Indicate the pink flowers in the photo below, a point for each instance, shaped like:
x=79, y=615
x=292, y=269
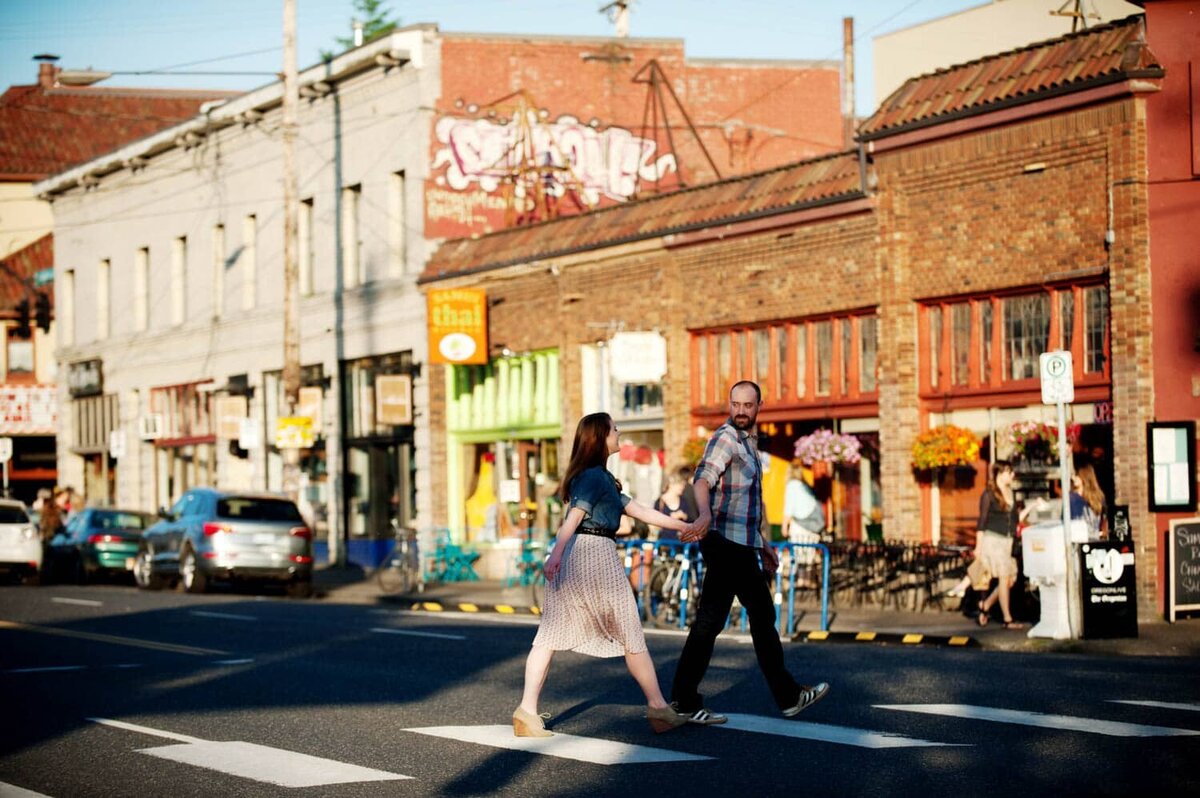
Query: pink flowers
x=828, y=446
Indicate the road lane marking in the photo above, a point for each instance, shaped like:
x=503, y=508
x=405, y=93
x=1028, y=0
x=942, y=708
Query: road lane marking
x=382, y=630
x=229, y=616
x=1159, y=704
x=133, y=727
x=564, y=746
x=840, y=735
x=48, y=669
x=246, y=661
x=78, y=602
x=255, y=762
x=1063, y=722
x=114, y=639
x=13, y=791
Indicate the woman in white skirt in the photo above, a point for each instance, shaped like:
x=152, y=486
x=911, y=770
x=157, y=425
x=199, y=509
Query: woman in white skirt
x=589, y=605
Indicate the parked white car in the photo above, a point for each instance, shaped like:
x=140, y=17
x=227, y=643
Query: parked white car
x=20, y=543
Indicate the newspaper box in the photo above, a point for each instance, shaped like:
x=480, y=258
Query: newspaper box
x=1045, y=560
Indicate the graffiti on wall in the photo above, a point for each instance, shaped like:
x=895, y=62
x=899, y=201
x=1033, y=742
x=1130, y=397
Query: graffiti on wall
x=473, y=156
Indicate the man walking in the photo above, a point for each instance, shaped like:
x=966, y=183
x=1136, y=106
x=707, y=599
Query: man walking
x=728, y=487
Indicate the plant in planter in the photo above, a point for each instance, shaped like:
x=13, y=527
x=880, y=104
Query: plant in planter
x=1035, y=441
x=827, y=446
x=944, y=447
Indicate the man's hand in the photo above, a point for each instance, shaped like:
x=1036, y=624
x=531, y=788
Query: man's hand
x=770, y=559
x=695, y=530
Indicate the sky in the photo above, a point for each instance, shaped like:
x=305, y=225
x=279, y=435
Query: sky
x=246, y=35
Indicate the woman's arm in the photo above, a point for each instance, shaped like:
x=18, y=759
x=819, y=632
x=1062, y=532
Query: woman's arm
x=641, y=512
x=566, y=529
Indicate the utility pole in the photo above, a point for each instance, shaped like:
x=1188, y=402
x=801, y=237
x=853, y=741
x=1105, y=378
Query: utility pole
x=291, y=213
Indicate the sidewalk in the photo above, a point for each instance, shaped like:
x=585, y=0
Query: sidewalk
x=353, y=585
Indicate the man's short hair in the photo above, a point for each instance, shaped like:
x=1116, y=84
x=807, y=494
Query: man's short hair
x=752, y=384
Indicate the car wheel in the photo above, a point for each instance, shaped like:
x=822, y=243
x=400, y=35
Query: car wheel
x=193, y=579
x=81, y=572
x=33, y=577
x=300, y=588
x=143, y=572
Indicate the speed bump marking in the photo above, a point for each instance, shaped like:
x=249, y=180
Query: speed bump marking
x=865, y=636
x=817, y=635
x=911, y=639
x=468, y=607
x=959, y=640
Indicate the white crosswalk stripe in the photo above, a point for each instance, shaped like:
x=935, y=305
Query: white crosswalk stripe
x=1159, y=704
x=840, y=735
x=1061, y=722
x=13, y=791
x=565, y=746
x=253, y=761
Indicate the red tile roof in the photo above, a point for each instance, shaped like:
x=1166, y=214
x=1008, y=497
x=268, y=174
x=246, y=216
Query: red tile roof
x=1104, y=54
x=46, y=130
x=17, y=270
x=775, y=191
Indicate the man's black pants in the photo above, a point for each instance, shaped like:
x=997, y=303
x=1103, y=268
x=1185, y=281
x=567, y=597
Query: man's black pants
x=732, y=570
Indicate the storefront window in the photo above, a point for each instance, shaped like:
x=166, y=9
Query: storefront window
x=868, y=348
x=960, y=342
x=781, y=359
x=844, y=372
x=824, y=331
x=1026, y=334
x=724, y=363
x=762, y=356
x=935, y=346
x=802, y=360
x=1095, y=328
x=702, y=368
x=985, y=341
x=20, y=356
x=1066, y=318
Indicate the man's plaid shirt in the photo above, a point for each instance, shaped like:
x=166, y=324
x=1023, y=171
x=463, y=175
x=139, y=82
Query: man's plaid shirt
x=733, y=470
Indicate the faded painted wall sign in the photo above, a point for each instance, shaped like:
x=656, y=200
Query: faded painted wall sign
x=474, y=155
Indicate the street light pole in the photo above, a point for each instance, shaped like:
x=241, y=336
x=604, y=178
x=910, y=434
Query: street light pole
x=291, y=208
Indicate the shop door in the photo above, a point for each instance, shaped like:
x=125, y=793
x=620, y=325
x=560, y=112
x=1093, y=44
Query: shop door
x=528, y=465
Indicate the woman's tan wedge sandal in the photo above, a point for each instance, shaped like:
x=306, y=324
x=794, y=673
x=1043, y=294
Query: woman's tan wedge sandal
x=527, y=725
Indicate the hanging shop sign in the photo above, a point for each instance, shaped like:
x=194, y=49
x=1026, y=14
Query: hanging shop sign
x=230, y=411
x=294, y=432
x=393, y=399
x=85, y=378
x=28, y=410
x=638, y=357
x=458, y=326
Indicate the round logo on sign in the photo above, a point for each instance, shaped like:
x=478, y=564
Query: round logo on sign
x=1106, y=566
x=457, y=346
x=1056, y=366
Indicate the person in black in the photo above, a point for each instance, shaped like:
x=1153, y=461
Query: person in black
x=997, y=528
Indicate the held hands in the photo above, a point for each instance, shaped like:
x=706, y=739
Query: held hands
x=695, y=531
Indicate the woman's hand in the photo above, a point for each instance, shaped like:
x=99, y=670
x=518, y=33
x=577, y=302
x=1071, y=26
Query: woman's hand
x=553, y=563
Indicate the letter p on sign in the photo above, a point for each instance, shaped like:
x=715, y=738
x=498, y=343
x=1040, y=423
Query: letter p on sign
x=1058, y=378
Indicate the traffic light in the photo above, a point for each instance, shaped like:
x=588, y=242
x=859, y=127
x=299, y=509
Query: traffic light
x=43, y=312
x=22, y=328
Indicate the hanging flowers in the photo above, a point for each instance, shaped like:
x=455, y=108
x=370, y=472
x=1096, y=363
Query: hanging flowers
x=944, y=446
x=693, y=450
x=1035, y=440
x=827, y=446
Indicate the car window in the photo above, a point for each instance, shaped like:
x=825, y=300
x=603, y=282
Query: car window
x=115, y=519
x=13, y=514
x=249, y=508
x=177, y=507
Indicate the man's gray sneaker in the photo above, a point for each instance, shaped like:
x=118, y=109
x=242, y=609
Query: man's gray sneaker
x=808, y=697
x=702, y=717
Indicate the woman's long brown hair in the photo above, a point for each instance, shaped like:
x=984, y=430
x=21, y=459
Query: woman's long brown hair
x=589, y=449
x=998, y=467
x=1089, y=488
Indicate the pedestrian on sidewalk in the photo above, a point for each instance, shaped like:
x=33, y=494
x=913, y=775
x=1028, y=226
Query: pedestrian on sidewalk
x=728, y=487
x=999, y=518
x=589, y=607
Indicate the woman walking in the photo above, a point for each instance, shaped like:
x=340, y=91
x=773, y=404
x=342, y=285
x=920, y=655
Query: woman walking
x=998, y=521
x=589, y=606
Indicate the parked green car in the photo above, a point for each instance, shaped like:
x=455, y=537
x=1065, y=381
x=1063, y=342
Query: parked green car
x=97, y=540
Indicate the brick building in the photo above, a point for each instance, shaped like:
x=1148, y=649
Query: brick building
x=993, y=210
x=403, y=141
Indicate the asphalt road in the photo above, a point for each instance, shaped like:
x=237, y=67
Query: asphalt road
x=108, y=691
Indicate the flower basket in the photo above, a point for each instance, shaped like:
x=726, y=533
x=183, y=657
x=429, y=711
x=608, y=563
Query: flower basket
x=944, y=447
x=827, y=446
x=1035, y=441
x=693, y=450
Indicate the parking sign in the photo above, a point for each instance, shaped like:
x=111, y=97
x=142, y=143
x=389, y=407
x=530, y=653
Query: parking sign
x=1058, y=378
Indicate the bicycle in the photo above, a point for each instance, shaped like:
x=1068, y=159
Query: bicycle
x=673, y=589
x=400, y=571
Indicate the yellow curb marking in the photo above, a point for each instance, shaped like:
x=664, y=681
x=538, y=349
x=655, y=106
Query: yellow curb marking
x=504, y=609
x=536, y=610
x=911, y=638
x=865, y=636
x=120, y=641
x=468, y=608
x=959, y=640
x=818, y=635
x=432, y=606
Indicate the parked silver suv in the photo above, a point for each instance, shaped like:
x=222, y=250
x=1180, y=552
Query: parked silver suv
x=210, y=534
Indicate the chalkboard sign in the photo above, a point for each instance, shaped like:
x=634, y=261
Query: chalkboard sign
x=1183, y=566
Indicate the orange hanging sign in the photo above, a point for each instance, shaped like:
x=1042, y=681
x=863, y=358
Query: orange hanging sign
x=458, y=326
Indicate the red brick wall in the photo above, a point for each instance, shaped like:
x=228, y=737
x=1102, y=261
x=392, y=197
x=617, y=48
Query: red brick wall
x=750, y=115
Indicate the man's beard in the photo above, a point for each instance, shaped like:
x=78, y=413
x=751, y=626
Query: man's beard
x=743, y=422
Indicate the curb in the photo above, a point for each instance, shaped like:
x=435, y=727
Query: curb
x=886, y=638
